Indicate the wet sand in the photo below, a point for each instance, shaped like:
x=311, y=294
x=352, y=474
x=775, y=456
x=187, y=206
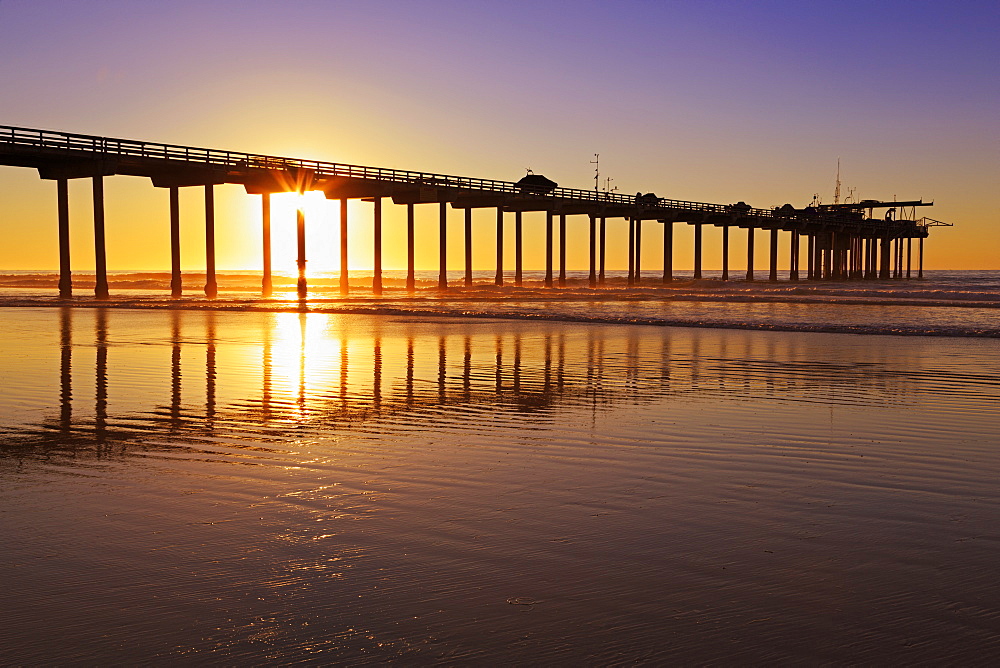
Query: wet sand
x=246, y=487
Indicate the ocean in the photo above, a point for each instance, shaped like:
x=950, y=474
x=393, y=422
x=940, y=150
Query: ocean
x=701, y=473
x=944, y=303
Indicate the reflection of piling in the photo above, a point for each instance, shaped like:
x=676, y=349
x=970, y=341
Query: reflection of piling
x=467, y=368
x=101, y=375
x=409, y=370
x=175, y=368
x=65, y=369
x=442, y=368
x=210, y=369
x=377, y=372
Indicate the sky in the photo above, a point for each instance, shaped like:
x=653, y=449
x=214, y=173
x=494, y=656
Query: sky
x=715, y=101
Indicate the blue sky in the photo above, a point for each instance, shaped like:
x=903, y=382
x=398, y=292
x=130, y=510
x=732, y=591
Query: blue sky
x=714, y=101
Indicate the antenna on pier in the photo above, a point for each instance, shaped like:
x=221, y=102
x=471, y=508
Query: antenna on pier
x=836, y=191
x=597, y=171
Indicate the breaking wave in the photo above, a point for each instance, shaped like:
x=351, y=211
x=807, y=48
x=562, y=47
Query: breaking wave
x=943, y=304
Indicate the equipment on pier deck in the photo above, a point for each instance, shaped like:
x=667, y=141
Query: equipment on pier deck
x=536, y=184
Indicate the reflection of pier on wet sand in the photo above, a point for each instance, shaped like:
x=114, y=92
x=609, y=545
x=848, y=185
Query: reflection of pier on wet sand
x=320, y=371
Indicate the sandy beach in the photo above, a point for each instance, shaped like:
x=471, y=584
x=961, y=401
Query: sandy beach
x=230, y=486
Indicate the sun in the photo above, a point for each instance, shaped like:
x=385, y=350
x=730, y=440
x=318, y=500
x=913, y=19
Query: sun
x=322, y=223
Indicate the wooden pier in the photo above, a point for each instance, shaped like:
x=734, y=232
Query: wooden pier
x=843, y=241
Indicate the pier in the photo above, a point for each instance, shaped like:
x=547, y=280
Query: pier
x=843, y=241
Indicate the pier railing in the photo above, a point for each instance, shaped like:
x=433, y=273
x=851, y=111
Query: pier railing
x=248, y=163
x=235, y=160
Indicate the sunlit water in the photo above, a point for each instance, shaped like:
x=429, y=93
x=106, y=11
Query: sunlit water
x=944, y=303
x=247, y=487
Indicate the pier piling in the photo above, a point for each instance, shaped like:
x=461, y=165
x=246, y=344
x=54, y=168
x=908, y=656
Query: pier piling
x=100, y=250
x=300, y=237
x=62, y=204
x=377, y=250
x=518, y=249
x=697, y=250
x=468, y=247
x=442, y=246
x=668, y=251
x=499, y=275
x=175, y=243
x=211, y=284
x=345, y=281
x=266, y=284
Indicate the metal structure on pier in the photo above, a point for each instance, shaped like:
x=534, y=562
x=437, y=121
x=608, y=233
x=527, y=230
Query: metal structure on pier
x=843, y=241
